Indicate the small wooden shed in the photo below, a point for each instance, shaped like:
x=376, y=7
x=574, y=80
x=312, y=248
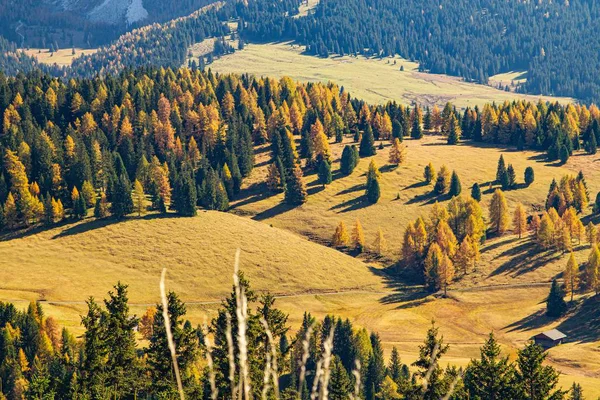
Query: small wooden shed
x=550, y=338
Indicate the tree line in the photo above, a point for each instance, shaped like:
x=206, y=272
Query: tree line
x=248, y=350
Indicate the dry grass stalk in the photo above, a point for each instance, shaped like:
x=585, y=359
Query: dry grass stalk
x=214, y=392
x=316, y=380
x=273, y=357
x=267, y=377
x=327, y=351
x=305, y=354
x=231, y=356
x=431, y=367
x=242, y=314
x=165, y=304
x=453, y=385
x=356, y=373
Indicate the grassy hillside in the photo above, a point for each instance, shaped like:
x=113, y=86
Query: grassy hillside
x=374, y=80
x=69, y=263
x=404, y=195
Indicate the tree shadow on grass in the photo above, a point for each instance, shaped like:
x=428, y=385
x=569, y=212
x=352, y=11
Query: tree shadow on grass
x=352, y=189
x=314, y=189
x=498, y=243
x=93, y=224
x=274, y=211
x=30, y=231
x=407, y=290
x=581, y=323
x=388, y=168
x=252, y=194
x=416, y=185
x=351, y=205
x=525, y=258
x=537, y=320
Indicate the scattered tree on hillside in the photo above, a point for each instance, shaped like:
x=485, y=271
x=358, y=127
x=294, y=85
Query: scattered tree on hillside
x=139, y=198
x=442, y=184
x=476, y=192
x=498, y=212
x=519, y=220
x=349, y=159
x=429, y=173
x=324, y=173
x=380, y=244
x=358, y=237
x=555, y=304
x=571, y=276
x=529, y=176
x=373, y=191
x=340, y=237
x=455, y=186
x=367, y=143
x=397, y=152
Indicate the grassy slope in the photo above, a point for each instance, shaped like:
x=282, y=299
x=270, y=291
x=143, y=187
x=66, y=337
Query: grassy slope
x=62, y=57
x=373, y=80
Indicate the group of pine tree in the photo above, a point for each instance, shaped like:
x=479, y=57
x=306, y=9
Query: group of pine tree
x=178, y=138
x=38, y=360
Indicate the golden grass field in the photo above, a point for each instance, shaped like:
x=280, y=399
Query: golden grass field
x=373, y=80
x=62, y=57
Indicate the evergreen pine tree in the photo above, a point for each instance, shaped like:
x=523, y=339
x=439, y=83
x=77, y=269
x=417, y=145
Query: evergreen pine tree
x=367, y=143
x=427, y=361
x=339, y=384
x=348, y=161
x=373, y=191
x=501, y=170
x=295, y=188
x=122, y=203
x=491, y=376
x=555, y=304
x=529, y=176
x=325, y=177
x=476, y=192
x=533, y=379
x=455, y=186
x=79, y=208
x=592, y=146
x=122, y=368
x=375, y=373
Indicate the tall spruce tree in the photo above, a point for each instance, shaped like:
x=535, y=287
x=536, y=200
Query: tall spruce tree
x=122, y=203
x=455, y=186
x=122, y=365
x=555, y=304
x=490, y=377
x=501, y=170
x=533, y=380
x=367, y=143
x=436, y=386
x=375, y=369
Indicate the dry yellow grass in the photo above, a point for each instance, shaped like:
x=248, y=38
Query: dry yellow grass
x=62, y=57
x=374, y=80
x=87, y=258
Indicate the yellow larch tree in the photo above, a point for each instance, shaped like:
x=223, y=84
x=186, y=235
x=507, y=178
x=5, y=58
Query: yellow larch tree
x=498, y=212
x=571, y=276
x=340, y=237
x=519, y=220
x=358, y=237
